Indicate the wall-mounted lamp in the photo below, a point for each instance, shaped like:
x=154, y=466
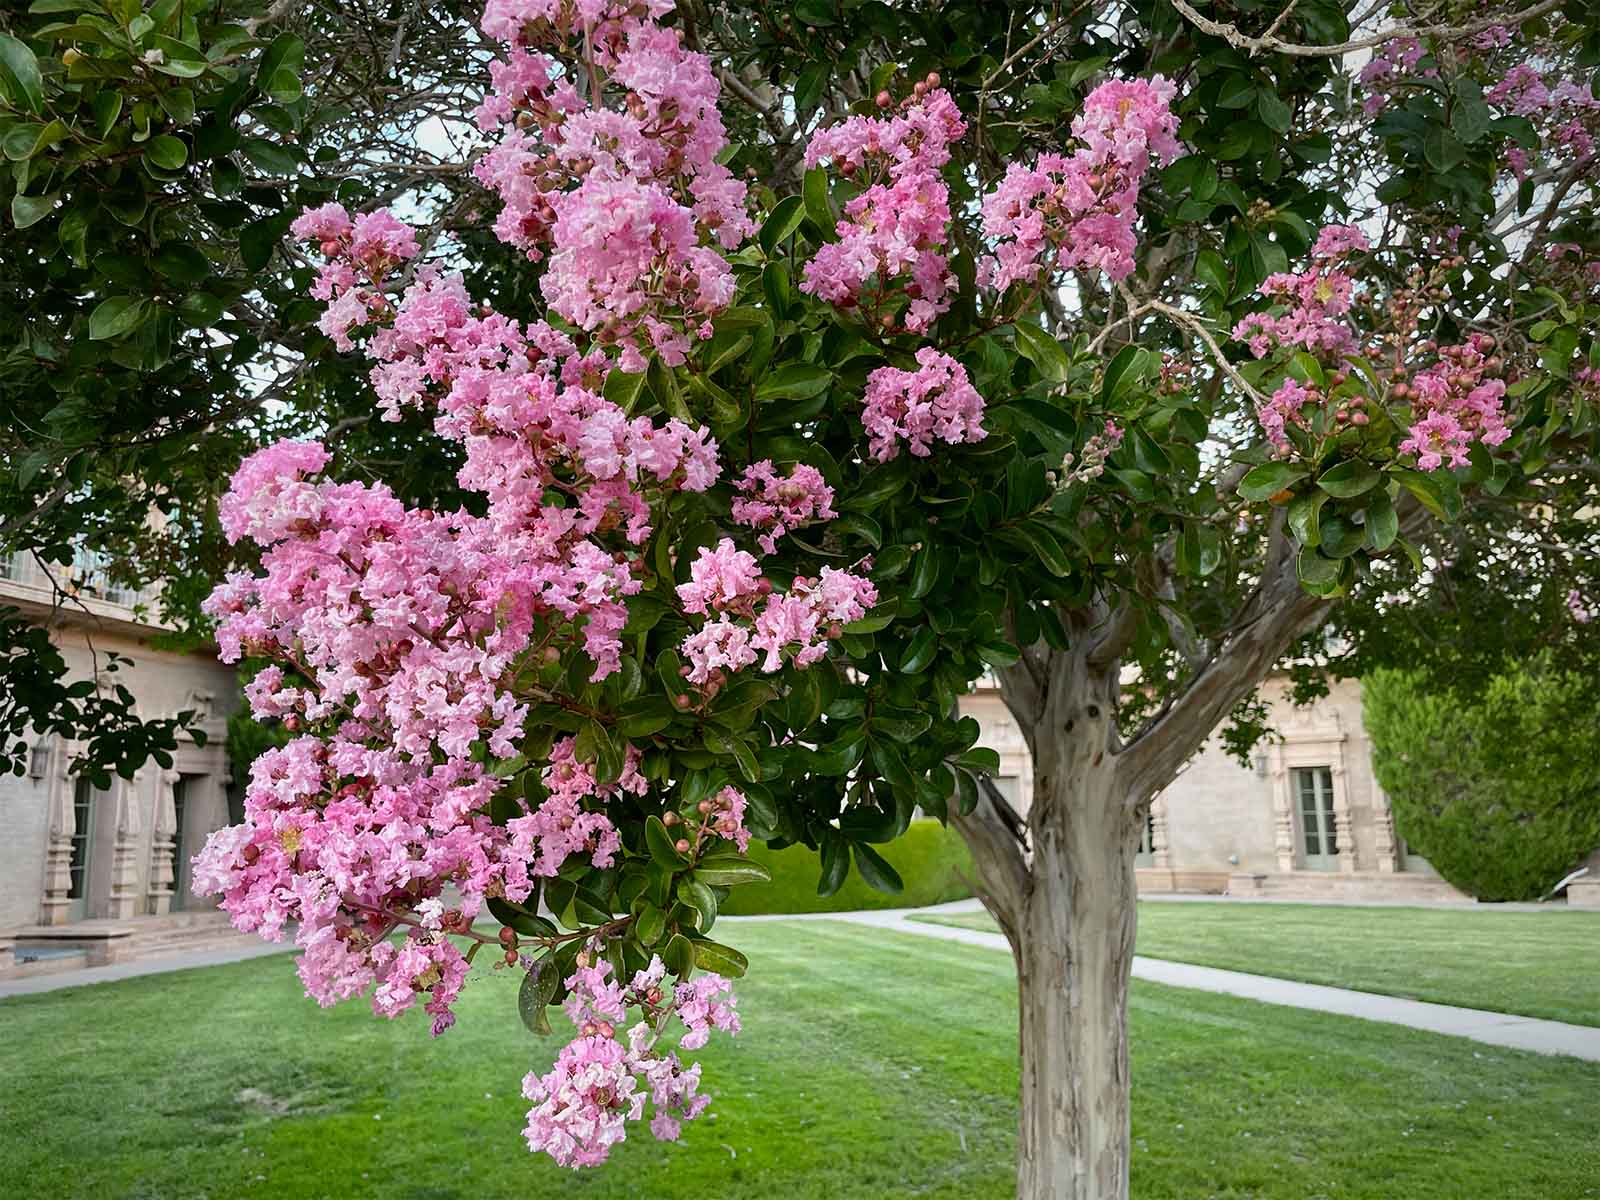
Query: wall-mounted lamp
x=39, y=760
x=1261, y=765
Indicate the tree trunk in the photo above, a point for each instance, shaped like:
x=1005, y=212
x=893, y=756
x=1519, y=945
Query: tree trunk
x=1074, y=954
x=1067, y=904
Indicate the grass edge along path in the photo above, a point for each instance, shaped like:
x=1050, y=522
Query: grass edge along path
x=1532, y=964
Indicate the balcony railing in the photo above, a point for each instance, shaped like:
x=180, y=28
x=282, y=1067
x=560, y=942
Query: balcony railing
x=86, y=579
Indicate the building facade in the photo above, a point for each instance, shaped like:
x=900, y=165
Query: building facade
x=99, y=873
x=1306, y=819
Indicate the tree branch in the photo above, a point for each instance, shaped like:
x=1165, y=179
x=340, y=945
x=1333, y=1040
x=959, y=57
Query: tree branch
x=1255, y=45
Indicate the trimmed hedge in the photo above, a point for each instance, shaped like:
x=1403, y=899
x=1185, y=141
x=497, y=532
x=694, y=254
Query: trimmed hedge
x=931, y=859
x=1500, y=793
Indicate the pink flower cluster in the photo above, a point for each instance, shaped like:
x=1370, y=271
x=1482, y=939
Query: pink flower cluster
x=1281, y=409
x=1582, y=612
x=724, y=816
x=626, y=198
x=1390, y=66
x=776, y=505
x=1311, y=304
x=1566, y=115
x=1454, y=403
x=598, y=1084
x=1091, y=464
x=361, y=253
x=1077, y=212
x=748, y=620
x=896, y=226
x=936, y=401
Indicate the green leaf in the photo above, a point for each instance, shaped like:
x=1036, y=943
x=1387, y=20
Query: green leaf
x=1302, y=514
x=1383, y=524
x=1124, y=374
x=166, y=152
x=178, y=103
x=875, y=869
x=727, y=869
x=649, y=925
x=1349, y=478
x=919, y=652
x=624, y=388
x=678, y=955
x=283, y=87
x=286, y=53
x=269, y=157
x=720, y=959
x=1470, y=118
x=726, y=744
x=1442, y=150
x=660, y=843
x=520, y=919
x=781, y=224
x=117, y=316
x=1316, y=571
x=1043, y=351
x=19, y=71
x=815, y=192
x=835, y=863
x=1275, y=114
x=30, y=210
x=537, y=990
x=796, y=381
x=1267, y=480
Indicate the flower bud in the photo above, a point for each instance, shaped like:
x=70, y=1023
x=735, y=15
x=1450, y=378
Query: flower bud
x=681, y=845
x=884, y=99
x=670, y=819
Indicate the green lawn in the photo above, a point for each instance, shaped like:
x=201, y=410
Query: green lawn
x=1540, y=964
x=873, y=1066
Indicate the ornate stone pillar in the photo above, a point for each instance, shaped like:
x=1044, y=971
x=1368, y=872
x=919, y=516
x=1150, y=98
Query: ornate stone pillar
x=55, y=905
x=164, y=828
x=1343, y=826
x=1159, y=854
x=1386, y=839
x=1282, y=811
x=122, y=900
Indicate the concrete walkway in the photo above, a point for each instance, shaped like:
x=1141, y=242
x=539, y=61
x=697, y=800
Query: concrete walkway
x=1490, y=1028
x=155, y=965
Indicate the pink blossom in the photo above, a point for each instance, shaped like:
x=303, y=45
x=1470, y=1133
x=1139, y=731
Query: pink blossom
x=1078, y=211
x=1455, y=403
x=936, y=401
x=896, y=226
x=776, y=505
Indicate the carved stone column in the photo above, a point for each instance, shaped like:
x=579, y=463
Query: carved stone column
x=1344, y=827
x=164, y=828
x=1282, y=812
x=56, y=905
x=1159, y=854
x=122, y=900
x=1386, y=839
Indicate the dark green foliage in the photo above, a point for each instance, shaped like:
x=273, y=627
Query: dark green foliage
x=1501, y=794
x=932, y=860
x=37, y=700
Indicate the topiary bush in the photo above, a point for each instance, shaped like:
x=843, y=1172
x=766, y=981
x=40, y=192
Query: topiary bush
x=932, y=860
x=1500, y=791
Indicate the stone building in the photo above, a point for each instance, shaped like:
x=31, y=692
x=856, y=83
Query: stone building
x=1305, y=820
x=90, y=875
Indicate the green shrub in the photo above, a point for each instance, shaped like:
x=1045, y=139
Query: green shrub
x=1501, y=793
x=931, y=859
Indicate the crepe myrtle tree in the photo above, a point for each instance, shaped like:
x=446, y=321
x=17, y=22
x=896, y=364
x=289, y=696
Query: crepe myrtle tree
x=773, y=479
